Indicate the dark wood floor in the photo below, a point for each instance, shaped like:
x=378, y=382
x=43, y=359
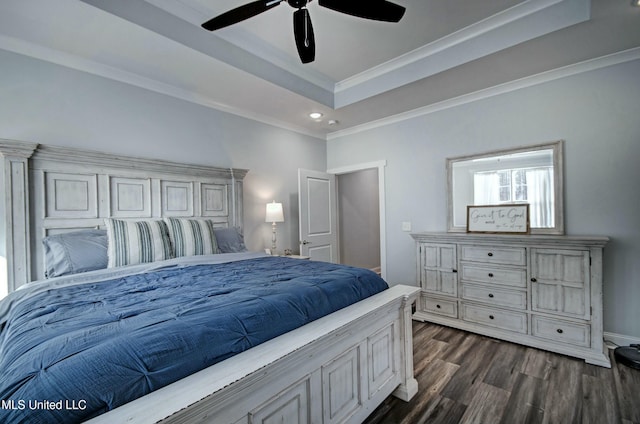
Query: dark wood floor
x=467, y=378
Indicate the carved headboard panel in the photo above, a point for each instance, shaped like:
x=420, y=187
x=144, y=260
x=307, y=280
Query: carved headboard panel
x=71, y=189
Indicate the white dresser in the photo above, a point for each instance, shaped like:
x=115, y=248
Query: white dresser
x=541, y=291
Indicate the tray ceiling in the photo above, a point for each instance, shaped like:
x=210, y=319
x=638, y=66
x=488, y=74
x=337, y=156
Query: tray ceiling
x=364, y=70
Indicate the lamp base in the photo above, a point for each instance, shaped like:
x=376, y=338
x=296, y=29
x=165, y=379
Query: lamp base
x=273, y=238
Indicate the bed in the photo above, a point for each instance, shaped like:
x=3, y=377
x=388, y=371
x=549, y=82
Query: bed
x=310, y=341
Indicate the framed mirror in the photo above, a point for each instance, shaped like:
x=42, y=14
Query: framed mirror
x=532, y=174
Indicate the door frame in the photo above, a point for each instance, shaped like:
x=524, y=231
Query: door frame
x=380, y=165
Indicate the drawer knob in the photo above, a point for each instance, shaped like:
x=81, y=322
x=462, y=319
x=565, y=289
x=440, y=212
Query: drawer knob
x=491, y=295
x=438, y=306
x=489, y=254
x=559, y=330
x=490, y=316
x=491, y=274
x=454, y=270
x=533, y=280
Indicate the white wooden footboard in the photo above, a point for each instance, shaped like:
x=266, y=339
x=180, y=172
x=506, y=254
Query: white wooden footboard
x=337, y=369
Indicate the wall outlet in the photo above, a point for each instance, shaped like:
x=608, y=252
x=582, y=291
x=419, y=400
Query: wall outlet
x=406, y=226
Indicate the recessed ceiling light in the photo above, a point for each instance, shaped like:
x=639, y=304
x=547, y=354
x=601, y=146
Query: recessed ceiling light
x=315, y=115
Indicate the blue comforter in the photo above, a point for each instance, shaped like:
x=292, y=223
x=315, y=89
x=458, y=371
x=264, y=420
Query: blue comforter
x=73, y=352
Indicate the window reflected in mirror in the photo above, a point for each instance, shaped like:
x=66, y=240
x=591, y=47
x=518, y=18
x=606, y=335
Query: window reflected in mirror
x=525, y=175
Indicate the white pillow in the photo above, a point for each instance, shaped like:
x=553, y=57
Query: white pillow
x=134, y=242
x=191, y=237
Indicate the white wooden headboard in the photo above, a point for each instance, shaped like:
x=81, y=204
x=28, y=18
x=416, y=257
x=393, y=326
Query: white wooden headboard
x=51, y=189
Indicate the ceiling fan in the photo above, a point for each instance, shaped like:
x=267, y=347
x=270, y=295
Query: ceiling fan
x=378, y=10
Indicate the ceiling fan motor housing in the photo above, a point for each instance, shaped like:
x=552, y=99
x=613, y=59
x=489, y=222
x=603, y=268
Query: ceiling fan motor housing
x=297, y=3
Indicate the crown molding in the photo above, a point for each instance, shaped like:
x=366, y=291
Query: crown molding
x=541, y=78
x=50, y=153
x=520, y=23
x=491, y=23
x=17, y=149
x=78, y=63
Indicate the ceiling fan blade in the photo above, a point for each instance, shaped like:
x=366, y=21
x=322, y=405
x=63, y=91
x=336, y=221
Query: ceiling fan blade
x=378, y=10
x=303, y=32
x=240, y=14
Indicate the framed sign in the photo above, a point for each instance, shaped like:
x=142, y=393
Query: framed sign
x=496, y=219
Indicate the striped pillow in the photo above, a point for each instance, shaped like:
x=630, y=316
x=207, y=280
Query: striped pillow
x=192, y=236
x=134, y=242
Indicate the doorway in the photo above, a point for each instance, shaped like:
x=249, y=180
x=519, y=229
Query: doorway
x=359, y=219
x=371, y=175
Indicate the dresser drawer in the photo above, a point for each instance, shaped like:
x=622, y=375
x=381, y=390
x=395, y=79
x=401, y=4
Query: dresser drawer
x=489, y=254
x=495, y=296
x=499, y=318
x=494, y=275
x=444, y=307
x=560, y=331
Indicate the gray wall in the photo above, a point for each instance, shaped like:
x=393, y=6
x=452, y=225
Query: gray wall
x=595, y=112
x=49, y=104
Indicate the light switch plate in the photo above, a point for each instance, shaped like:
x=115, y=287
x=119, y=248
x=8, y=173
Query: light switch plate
x=406, y=226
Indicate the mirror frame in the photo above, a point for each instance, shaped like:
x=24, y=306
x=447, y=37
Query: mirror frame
x=558, y=181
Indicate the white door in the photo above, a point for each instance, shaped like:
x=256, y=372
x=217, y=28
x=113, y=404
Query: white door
x=318, y=212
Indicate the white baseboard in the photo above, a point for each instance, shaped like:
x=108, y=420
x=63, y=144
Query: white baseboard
x=613, y=340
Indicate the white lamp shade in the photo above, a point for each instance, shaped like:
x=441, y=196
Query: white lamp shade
x=274, y=212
